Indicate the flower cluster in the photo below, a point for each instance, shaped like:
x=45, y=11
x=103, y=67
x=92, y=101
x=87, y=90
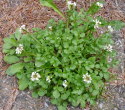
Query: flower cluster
x=19, y=49
x=48, y=79
x=87, y=78
x=35, y=76
x=99, y=4
x=108, y=48
x=22, y=28
x=110, y=28
x=71, y=4
x=97, y=23
x=65, y=83
x=50, y=27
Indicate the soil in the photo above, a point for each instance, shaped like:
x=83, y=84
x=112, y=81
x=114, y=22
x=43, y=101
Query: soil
x=14, y=13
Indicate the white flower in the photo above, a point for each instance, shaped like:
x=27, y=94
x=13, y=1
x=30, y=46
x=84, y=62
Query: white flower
x=50, y=27
x=108, y=48
x=96, y=26
x=35, y=76
x=64, y=83
x=97, y=23
x=22, y=28
x=110, y=28
x=99, y=4
x=48, y=79
x=87, y=78
x=71, y=4
x=74, y=4
x=19, y=49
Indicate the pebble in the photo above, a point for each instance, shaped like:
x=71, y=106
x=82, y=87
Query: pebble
x=115, y=109
x=100, y=105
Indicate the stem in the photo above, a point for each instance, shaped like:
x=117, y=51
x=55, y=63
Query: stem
x=27, y=53
x=36, y=40
x=67, y=23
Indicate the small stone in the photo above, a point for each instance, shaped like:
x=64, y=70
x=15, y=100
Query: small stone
x=115, y=108
x=100, y=105
x=124, y=94
x=46, y=105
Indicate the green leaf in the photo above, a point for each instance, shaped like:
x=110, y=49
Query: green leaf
x=117, y=24
x=38, y=63
x=106, y=76
x=27, y=59
x=92, y=102
x=93, y=9
x=13, y=69
x=95, y=92
x=82, y=103
x=6, y=47
x=74, y=42
x=50, y=3
x=55, y=61
x=101, y=74
x=11, y=59
x=23, y=83
x=77, y=92
x=66, y=44
x=97, y=66
x=19, y=75
x=92, y=59
x=75, y=103
x=56, y=94
x=61, y=107
x=65, y=95
x=54, y=101
x=87, y=67
x=82, y=35
x=43, y=84
x=8, y=43
x=42, y=92
x=35, y=94
x=60, y=89
x=86, y=96
x=18, y=34
x=72, y=67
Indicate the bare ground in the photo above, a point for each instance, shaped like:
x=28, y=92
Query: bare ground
x=14, y=13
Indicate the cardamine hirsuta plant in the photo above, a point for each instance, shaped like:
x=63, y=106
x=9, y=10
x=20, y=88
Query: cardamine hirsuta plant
x=67, y=61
